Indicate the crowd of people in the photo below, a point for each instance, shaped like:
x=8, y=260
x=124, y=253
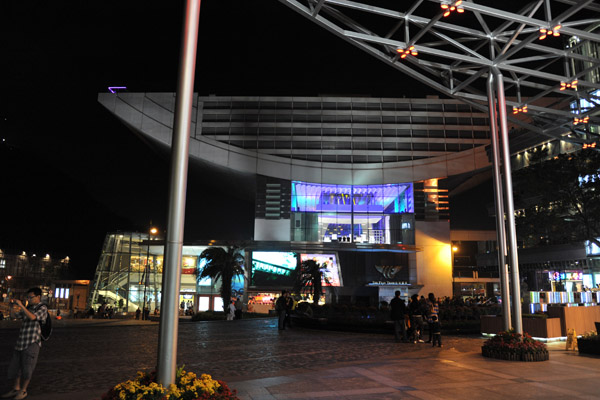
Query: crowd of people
x=409, y=320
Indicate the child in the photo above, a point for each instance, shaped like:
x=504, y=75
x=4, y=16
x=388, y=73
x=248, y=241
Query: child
x=436, y=328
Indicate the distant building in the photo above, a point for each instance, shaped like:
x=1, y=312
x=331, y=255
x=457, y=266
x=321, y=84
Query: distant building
x=19, y=272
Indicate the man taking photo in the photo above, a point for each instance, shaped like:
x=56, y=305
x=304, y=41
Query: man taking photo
x=27, y=348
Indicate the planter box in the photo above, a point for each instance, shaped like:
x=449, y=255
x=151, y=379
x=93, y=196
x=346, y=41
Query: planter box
x=588, y=346
x=537, y=327
x=511, y=356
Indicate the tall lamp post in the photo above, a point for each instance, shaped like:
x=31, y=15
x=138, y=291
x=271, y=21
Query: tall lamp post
x=153, y=231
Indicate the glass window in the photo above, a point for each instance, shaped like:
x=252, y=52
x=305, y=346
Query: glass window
x=203, y=303
x=218, y=304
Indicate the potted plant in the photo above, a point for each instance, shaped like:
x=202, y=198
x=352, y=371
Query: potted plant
x=509, y=345
x=589, y=343
x=187, y=386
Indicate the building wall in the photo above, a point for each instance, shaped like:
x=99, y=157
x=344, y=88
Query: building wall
x=272, y=229
x=433, y=265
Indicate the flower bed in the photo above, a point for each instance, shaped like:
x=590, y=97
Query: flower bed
x=513, y=346
x=188, y=386
x=589, y=343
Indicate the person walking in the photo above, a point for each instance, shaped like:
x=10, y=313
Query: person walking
x=29, y=342
x=397, y=312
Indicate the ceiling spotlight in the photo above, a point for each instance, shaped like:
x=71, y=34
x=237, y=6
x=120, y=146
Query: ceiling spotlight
x=450, y=7
x=544, y=32
x=570, y=85
x=522, y=109
x=406, y=52
x=584, y=120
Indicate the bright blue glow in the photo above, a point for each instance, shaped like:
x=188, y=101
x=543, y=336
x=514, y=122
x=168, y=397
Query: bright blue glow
x=584, y=104
x=203, y=281
x=386, y=199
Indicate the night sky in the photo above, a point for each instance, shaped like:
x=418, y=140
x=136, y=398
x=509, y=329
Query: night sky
x=70, y=172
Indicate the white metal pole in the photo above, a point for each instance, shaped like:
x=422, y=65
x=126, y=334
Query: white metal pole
x=499, y=202
x=510, y=209
x=169, y=315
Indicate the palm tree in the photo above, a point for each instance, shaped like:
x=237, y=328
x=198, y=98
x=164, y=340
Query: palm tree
x=309, y=279
x=223, y=264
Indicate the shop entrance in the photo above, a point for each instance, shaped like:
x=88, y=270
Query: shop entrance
x=186, y=304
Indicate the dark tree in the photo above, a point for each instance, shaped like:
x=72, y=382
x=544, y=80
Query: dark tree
x=223, y=264
x=309, y=279
x=559, y=199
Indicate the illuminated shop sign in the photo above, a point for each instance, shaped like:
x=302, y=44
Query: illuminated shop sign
x=276, y=268
x=270, y=268
x=273, y=268
x=330, y=267
x=565, y=276
x=388, y=199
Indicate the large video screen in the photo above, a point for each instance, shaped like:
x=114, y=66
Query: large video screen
x=332, y=271
x=273, y=268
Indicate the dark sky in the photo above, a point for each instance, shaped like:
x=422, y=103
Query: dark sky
x=70, y=172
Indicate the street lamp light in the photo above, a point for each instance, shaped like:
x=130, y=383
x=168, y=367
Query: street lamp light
x=153, y=231
x=8, y=278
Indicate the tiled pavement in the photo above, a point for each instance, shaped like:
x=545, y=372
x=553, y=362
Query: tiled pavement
x=84, y=358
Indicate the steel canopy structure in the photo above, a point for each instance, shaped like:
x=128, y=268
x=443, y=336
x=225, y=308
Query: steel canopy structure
x=482, y=55
x=542, y=50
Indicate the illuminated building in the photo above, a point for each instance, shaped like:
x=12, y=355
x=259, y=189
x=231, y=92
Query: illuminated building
x=358, y=178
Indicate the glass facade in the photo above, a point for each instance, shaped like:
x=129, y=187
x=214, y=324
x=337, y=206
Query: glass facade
x=129, y=275
x=376, y=214
x=344, y=130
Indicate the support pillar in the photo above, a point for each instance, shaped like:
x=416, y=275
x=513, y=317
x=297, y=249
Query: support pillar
x=499, y=203
x=510, y=209
x=169, y=310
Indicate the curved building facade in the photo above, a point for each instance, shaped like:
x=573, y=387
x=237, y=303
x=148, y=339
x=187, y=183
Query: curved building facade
x=334, y=140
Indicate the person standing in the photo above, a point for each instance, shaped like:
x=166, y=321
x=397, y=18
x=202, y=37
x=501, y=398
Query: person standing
x=397, y=312
x=231, y=311
x=289, y=308
x=436, y=329
x=238, y=308
x=281, y=310
x=433, y=310
x=29, y=342
x=416, y=318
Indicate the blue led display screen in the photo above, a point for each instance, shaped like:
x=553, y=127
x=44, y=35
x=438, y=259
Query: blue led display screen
x=383, y=199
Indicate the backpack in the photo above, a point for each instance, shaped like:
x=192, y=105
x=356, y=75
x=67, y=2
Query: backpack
x=46, y=327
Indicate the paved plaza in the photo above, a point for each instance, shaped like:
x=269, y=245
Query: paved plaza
x=86, y=357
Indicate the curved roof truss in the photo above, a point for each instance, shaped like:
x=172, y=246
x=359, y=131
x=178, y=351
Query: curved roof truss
x=547, y=52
